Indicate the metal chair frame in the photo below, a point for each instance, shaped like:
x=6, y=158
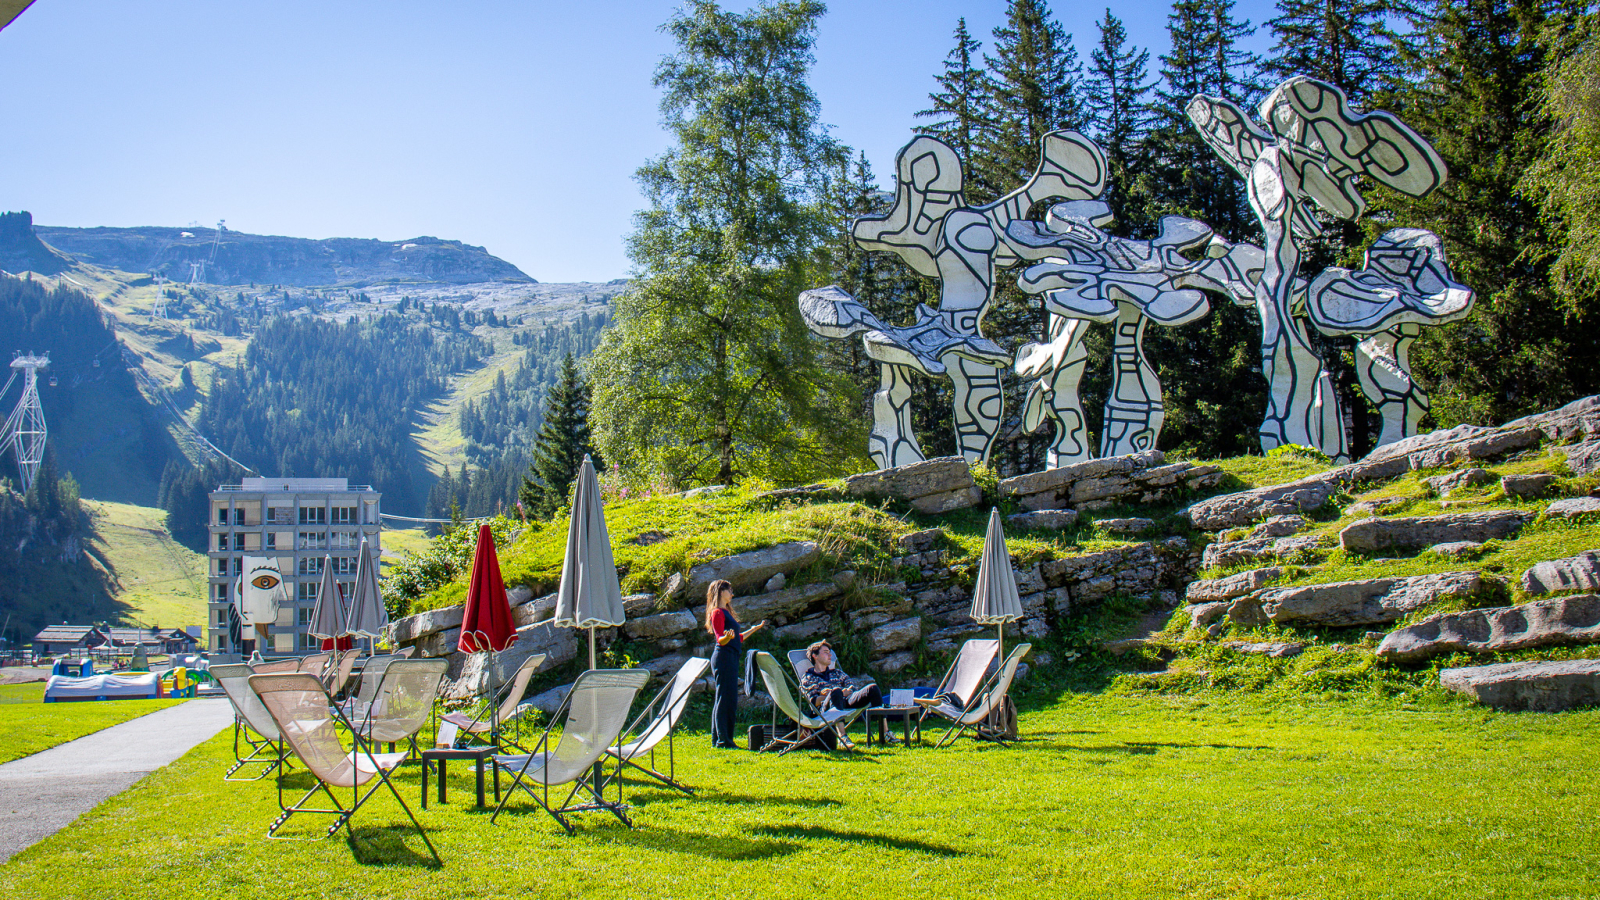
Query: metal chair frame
x=653, y=714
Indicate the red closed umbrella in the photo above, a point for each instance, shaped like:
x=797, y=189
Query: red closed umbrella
x=486, y=622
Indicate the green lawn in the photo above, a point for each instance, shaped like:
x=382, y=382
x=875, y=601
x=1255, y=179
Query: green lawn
x=156, y=579
x=28, y=725
x=1109, y=796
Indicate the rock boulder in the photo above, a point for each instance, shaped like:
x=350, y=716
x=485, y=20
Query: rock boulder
x=1574, y=573
x=749, y=571
x=1373, y=535
x=1527, y=487
x=931, y=486
x=1534, y=686
x=1573, y=507
x=1044, y=519
x=1218, y=589
x=1368, y=602
x=1245, y=507
x=1542, y=623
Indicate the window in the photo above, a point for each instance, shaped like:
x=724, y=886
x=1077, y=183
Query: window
x=344, y=565
x=219, y=593
x=280, y=515
x=238, y=516
x=344, y=515
x=313, y=515
x=312, y=540
x=222, y=618
x=238, y=540
x=222, y=515
x=310, y=565
x=307, y=592
x=310, y=642
x=344, y=540
x=305, y=616
x=272, y=540
x=222, y=542
x=238, y=565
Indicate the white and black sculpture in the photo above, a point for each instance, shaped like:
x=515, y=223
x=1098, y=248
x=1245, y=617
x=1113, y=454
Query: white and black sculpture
x=1306, y=155
x=933, y=230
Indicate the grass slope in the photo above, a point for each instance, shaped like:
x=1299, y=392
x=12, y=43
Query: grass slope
x=28, y=725
x=1106, y=797
x=154, y=579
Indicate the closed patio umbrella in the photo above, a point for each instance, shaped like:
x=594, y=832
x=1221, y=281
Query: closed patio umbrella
x=995, y=600
x=590, y=596
x=329, y=621
x=486, y=622
x=368, y=617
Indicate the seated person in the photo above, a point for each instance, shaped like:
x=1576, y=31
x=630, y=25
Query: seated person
x=828, y=687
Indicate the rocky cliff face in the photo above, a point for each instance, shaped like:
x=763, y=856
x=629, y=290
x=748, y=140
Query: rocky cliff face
x=21, y=250
x=236, y=258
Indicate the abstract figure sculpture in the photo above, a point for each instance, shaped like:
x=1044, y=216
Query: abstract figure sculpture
x=933, y=230
x=1309, y=153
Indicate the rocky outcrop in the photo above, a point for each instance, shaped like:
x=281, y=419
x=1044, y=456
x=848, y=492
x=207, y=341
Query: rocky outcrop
x=749, y=571
x=1584, y=458
x=1444, y=485
x=1533, y=686
x=1572, y=507
x=1274, y=649
x=1217, y=589
x=1527, y=487
x=1043, y=520
x=1456, y=549
x=1542, y=623
x=1409, y=533
x=560, y=645
x=931, y=486
x=1099, y=483
x=1254, y=549
x=1247, y=507
x=1126, y=527
x=1577, y=421
x=660, y=625
x=1340, y=604
x=1574, y=573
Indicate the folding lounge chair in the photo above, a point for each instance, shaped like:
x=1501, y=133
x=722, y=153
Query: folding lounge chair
x=337, y=675
x=807, y=728
x=596, y=709
x=305, y=717
x=371, y=676
x=249, y=717
x=315, y=664
x=961, y=686
x=510, y=709
x=993, y=694
x=277, y=666
x=657, y=722
x=403, y=703
x=801, y=664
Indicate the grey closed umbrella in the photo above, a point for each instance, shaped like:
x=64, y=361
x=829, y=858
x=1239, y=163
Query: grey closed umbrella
x=329, y=620
x=590, y=596
x=368, y=617
x=995, y=600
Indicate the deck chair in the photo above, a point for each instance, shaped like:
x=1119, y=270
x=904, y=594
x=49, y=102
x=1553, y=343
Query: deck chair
x=252, y=725
x=315, y=664
x=277, y=666
x=403, y=702
x=807, y=728
x=591, y=718
x=801, y=664
x=511, y=708
x=337, y=675
x=960, y=687
x=305, y=716
x=993, y=694
x=656, y=722
x=371, y=676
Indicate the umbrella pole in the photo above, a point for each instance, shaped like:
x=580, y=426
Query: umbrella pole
x=494, y=708
x=591, y=648
x=1000, y=632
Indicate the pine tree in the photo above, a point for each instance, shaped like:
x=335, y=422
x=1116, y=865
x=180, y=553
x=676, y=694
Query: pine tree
x=1114, y=90
x=1342, y=42
x=561, y=444
x=1033, y=90
x=960, y=109
x=1471, y=87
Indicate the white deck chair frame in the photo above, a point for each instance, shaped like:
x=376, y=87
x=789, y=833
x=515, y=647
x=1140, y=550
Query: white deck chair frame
x=511, y=709
x=547, y=768
x=993, y=694
x=963, y=681
x=314, y=739
x=781, y=687
x=252, y=725
x=382, y=722
x=657, y=722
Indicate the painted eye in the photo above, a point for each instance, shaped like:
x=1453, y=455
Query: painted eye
x=265, y=582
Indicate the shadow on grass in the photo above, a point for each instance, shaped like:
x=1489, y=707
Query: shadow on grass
x=732, y=848
x=819, y=832
x=373, y=845
x=770, y=799
x=1147, y=748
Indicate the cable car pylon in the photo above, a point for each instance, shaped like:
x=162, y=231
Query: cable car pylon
x=25, y=430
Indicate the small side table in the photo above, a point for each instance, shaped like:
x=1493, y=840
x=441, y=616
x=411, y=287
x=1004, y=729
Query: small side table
x=882, y=714
x=440, y=756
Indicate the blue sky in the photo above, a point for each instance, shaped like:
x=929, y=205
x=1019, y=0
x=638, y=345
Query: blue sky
x=513, y=125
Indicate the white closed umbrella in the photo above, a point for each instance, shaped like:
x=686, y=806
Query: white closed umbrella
x=368, y=617
x=329, y=621
x=995, y=600
x=590, y=596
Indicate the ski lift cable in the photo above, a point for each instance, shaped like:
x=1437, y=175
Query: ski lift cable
x=433, y=521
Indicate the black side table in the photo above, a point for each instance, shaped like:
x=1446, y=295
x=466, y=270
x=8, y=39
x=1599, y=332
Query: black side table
x=881, y=714
x=441, y=755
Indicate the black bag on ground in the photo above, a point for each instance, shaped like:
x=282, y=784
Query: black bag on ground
x=1001, y=723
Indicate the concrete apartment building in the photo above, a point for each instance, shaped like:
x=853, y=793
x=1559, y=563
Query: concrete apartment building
x=300, y=521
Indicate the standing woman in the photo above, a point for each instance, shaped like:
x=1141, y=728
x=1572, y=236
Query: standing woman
x=724, y=628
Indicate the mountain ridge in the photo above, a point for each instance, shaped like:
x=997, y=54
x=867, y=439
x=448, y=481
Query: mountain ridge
x=233, y=258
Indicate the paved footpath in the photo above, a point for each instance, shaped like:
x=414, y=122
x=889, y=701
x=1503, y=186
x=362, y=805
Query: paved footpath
x=41, y=794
